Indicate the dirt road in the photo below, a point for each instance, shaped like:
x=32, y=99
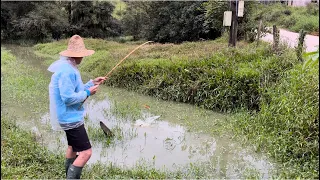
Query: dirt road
x=291, y=38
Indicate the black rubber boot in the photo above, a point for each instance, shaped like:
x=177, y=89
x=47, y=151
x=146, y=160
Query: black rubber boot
x=74, y=172
x=68, y=162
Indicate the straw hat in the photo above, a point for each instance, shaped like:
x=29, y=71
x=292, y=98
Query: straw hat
x=76, y=48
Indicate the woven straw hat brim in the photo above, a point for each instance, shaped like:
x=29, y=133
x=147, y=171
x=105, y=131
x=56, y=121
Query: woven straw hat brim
x=69, y=53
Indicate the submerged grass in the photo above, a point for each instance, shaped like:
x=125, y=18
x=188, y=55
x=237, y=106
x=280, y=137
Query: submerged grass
x=126, y=110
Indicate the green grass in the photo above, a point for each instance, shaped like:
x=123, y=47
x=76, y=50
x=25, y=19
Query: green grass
x=22, y=86
x=22, y=83
x=286, y=128
x=22, y=157
x=225, y=81
x=109, y=53
x=288, y=17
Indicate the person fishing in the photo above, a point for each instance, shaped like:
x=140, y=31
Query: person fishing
x=67, y=93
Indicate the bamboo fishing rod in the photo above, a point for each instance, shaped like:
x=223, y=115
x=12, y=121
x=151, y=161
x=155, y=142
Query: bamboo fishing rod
x=125, y=58
x=108, y=74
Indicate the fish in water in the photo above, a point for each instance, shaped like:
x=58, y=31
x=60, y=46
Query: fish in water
x=147, y=122
x=106, y=130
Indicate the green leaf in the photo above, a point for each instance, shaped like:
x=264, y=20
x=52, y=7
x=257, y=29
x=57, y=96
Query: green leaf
x=312, y=58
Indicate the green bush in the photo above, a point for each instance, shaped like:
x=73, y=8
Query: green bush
x=307, y=23
x=312, y=9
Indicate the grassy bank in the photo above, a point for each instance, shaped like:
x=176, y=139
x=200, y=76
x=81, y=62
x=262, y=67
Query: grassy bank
x=288, y=17
x=286, y=127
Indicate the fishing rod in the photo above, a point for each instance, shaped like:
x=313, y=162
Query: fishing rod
x=108, y=74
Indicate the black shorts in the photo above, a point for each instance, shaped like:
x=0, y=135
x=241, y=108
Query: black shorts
x=78, y=139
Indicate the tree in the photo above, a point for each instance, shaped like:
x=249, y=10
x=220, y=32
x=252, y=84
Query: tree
x=134, y=18
x=92, y=19
x=41, y=24
x=165, y=21
x=215, y=12
x=55, y=19
x=214, y=16
x=11, y=12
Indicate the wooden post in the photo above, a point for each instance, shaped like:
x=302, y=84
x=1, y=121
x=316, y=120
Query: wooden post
x=234, y=26
x=259, y=32
x=276, y=38
x=299, y=48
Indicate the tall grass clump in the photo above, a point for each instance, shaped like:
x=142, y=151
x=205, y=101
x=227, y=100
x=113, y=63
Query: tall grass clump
x=287, y=125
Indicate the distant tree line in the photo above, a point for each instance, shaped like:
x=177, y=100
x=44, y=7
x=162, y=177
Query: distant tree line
x=174, y=21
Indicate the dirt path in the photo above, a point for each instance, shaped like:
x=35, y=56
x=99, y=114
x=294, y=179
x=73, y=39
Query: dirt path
x=291, y=38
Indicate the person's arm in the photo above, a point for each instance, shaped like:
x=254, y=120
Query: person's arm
x=67, y=86
x=89, y=84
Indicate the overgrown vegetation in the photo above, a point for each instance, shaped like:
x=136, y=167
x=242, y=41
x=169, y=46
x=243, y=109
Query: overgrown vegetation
x=216, y=83
x=287, y=125
x=288, y=17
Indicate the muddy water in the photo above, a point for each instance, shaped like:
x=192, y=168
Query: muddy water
x=164, y=135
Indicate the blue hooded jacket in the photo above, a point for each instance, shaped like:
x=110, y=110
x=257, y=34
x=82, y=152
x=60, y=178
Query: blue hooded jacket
x=66, y=92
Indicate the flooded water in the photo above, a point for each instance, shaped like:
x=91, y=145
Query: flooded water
x=165, y=135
